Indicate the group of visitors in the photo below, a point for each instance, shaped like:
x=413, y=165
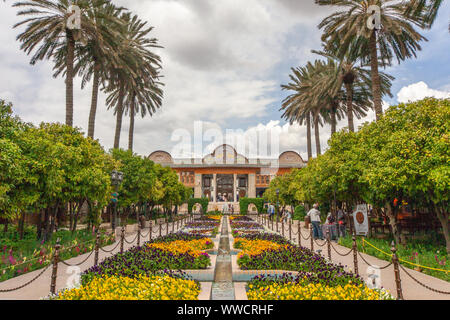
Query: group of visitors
x=228, y=208
x=222, y=197
x=285, y=214
x=338, y=221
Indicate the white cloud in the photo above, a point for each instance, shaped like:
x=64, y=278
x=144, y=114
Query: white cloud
x=418, y=91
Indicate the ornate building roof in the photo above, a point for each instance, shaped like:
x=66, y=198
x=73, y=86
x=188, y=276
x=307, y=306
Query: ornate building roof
x=226, y=156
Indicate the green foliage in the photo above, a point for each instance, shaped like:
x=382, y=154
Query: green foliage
x=299, y=213
x=201, y=201
x=287, y=187
x=403, y=155
x=245, y=202
x=138, y=177
x=49, y=165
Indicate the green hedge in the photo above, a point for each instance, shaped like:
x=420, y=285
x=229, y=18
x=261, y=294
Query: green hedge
x=244, y=203
x=299, y=213
x=202, y=201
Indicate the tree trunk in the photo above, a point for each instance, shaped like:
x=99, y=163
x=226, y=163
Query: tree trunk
x=333, y=120
x=349, y=89
x=131, y=130
x=69, y=78
x=308, y=135
x=53, y=218
x=119, y=118
x=75, y=218
x=316, y=132
x=393, y=222
x=70, y=215
x=39, y=226
x=376, y=85
x=94, y=100
x=21, y=225
x=46, y=224
x=443, y=218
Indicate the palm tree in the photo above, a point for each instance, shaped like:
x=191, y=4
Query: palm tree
x=301, y=106
x=140, y=66
x=423, y=9
x=145, y=97
x=397, y=36
x=93, y=59
x=354, y=76
x=294, y=108
x=46, y=30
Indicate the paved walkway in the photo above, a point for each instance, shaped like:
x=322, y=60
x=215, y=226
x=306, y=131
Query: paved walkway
x=411, y=289
x=41, y=286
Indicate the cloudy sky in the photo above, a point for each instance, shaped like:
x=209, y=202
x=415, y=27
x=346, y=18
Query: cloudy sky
x=223, y=64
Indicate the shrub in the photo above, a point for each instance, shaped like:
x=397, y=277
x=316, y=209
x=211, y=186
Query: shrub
x=299, y=213
x=202, y=201
x=244, y=203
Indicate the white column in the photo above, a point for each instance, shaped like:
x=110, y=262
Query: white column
x=198, y=186
x=252, y=185
x=214, y=184
x=234, y=187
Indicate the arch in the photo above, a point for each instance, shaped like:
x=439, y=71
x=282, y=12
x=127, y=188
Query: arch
x=203, y=202
x=218, y=156
x=161, y=157
x=244, y=204
x=290, y=157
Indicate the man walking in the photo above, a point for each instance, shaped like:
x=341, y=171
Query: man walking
x=314, y=216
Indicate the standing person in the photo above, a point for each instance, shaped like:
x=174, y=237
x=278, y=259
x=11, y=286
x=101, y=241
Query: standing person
x=314, y=216
x=271, y=211
x=341, y=223
x=232, y=209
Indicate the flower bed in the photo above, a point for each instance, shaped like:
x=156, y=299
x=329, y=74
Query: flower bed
x=206, y=225
x=242, y=225
x=316, y=278
x=303, y=289
x=257, y=255
x=22, y=256
x=159, y=254
x=141, y=287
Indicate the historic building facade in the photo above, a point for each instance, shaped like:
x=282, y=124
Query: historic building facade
x=225, y=175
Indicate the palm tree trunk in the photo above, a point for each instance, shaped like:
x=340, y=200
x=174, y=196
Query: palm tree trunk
x=131, y=130
x=94, y=100
x=333, y=121
x=308, y=135
x=119, y=118
x=69, y=78
x=349, y=89
x=376, y=85
x=316, y=132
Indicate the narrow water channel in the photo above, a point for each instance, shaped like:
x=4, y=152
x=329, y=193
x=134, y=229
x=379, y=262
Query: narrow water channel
x=222, y=288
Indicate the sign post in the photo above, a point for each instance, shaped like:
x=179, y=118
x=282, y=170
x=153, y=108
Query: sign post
x=360, y=219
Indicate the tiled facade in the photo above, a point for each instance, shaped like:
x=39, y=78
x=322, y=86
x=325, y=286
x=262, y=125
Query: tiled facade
x=225, y=175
